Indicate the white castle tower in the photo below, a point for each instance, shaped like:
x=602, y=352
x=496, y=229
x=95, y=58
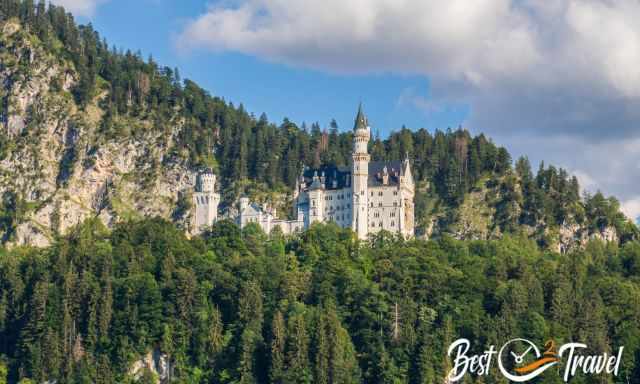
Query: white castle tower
x=360, y=175
x=366, y=196
x=205, y=201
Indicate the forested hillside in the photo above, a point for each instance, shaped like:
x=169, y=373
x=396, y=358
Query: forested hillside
x=94, y=131
x=98, y=152
x=241, y=307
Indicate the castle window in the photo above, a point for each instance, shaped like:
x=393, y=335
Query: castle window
x=380, y=224
x=393, y=224
x=380, y=204
x=395, y=203
x=371, y=193
x=395, y=193
x=380, y=193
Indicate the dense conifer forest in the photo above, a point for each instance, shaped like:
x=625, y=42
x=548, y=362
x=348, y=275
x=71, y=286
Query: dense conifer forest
x=241, y=306
x=238, y=306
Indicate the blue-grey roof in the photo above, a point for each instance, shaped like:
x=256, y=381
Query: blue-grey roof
x=342, y=174
x=361, y=119
x=376, y=169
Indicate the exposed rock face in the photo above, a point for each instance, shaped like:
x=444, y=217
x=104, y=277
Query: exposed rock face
x=57, y=167
x=475, y=220
x=155, y=362
x=574, y=236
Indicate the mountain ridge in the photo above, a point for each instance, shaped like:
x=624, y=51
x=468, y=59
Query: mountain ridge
x=93, y=132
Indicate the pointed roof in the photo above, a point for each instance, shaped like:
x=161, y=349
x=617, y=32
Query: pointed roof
x=361, y=120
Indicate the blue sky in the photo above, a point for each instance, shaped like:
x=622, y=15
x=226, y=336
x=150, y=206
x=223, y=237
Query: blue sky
x=556, y=80
x=300, y=94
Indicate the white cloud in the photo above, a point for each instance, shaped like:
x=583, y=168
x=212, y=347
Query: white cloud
x=372, y=35
x=483, y=43
x=551, y=72
x=631, y=208
x=586, y=181
x=80, y=7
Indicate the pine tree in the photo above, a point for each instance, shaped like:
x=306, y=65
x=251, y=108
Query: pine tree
x=215, y=336
x=322, y=352
x=248, y=344
x=297, y=356
x=343, y=361
x=278, y=343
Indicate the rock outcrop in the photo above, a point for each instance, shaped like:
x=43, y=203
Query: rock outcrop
x=56, y=170
x=155, y=363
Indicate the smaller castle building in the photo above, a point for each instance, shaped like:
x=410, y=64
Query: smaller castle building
x=266, y=218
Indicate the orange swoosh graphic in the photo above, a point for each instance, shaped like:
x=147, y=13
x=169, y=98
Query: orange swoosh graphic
x=536, y=364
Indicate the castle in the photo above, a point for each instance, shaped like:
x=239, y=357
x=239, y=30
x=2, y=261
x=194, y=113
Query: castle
x=367, y=196
x=205, y=200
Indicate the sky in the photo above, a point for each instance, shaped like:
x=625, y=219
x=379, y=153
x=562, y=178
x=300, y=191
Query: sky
x=555, y=80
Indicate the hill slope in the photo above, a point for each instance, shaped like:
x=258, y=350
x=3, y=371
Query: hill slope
x=239, y=307
x=93, y=132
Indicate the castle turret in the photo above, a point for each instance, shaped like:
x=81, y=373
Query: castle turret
x=360, y=174
x=205, y=200
x=206, y=182
x=407, y=195
x=316, y=200
x=244, y=203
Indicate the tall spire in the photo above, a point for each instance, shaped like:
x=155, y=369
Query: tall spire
x=361, y=119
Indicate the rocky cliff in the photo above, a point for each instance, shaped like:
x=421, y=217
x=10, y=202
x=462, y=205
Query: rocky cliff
x=475, y=219
x=56, y=169
x=130, y=147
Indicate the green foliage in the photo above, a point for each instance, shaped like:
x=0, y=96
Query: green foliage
x=242, y=306
x=239, y=306
x=12, y=210
x=3, y=373
x=136, y=96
